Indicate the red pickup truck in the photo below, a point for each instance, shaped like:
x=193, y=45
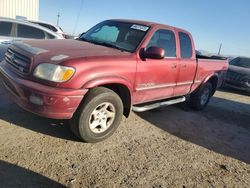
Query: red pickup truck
x=116, y=66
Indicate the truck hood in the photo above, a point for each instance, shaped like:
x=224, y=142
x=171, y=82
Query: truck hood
x=56, y=51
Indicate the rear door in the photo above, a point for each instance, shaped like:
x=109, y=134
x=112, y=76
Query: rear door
x=187, y=64
x=156, y=79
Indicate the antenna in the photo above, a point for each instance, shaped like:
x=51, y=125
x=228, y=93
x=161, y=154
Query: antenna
x=58, y=17
x=220, y=49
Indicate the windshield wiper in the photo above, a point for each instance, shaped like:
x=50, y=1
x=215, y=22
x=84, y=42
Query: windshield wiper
x=102, y=43
x=83, y=39
x=107, y=45
x=112, y=46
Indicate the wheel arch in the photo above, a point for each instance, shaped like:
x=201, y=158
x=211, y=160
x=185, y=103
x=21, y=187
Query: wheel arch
x=117, y=84
x=213, y=79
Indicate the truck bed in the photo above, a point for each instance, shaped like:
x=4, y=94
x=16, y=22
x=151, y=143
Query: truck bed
x=210, y=65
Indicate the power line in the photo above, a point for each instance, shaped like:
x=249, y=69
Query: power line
x=58, y=17
x=78, y=16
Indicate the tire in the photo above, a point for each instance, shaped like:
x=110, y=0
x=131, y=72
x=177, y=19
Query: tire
x=200, y=98
x=98, y=116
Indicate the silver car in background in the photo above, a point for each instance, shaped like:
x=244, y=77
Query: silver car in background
x=50, y=26
x=12, y=30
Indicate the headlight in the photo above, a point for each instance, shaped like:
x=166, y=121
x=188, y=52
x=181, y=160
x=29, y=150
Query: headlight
x=54, y=73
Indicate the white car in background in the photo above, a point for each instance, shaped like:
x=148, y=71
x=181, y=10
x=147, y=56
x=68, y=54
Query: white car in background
x=17, y=30
x=12, y=30
x=52, y=27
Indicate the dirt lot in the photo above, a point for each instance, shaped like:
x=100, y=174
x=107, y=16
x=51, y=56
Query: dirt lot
x=170, y=147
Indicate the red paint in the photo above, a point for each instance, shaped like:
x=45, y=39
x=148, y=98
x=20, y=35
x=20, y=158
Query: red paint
x=97, y=65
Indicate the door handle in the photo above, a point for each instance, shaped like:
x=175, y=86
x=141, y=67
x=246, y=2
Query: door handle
x=184, y=66
x=174, y=66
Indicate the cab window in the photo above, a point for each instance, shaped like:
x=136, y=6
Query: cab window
x=164, y=39
x=185, y=45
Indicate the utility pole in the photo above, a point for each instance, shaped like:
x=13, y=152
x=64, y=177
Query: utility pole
x=58, y=17
x=220, y=49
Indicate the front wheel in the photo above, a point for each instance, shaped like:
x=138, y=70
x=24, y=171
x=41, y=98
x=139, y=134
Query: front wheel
x=200, y=98
x=99, y=115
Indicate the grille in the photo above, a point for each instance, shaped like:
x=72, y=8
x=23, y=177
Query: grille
x=18, y=61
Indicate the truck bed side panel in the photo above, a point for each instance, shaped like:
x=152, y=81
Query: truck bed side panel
x=208, y=68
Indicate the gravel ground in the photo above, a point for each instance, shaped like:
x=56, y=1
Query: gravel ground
x=169, y=147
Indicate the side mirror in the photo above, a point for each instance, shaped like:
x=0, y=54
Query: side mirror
x=154, y=52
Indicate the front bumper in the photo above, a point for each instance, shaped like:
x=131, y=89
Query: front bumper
x=57, y=103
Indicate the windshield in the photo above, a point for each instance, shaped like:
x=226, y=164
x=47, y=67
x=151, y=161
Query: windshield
x=121, y=35
x=241, y=62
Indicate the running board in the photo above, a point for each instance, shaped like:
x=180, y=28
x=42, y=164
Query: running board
x=158, y=105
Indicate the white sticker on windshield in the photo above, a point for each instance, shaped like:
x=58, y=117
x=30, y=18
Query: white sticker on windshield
x=139, y=27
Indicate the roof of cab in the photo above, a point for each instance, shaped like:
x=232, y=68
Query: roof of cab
x=146, y=23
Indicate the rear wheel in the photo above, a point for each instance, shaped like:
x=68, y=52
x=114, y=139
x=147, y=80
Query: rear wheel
x=200, y=98
x=99, y=115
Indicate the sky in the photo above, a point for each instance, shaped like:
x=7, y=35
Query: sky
x=211, y=22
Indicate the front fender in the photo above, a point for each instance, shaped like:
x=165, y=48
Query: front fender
x=105, y=80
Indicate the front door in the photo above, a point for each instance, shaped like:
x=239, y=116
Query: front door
x=156, y=79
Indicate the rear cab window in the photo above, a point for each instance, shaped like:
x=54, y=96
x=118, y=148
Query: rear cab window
x=24, y=31
x=186, y=48
x=5, y=28
x=165, y=39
